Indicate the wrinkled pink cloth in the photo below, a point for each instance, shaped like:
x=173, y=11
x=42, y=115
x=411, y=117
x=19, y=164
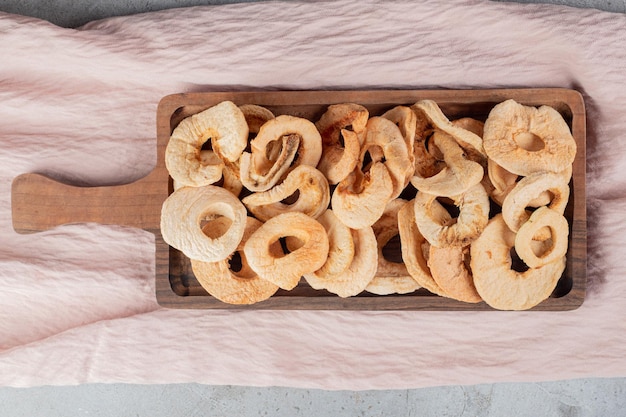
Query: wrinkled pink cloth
x=77, y=302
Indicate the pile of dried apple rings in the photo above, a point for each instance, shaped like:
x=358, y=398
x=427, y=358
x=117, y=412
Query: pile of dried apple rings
x=292, y=198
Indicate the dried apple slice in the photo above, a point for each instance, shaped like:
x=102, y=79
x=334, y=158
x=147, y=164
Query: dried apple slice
x=498, y=284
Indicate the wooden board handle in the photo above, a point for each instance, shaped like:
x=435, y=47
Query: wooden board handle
x=39, y=203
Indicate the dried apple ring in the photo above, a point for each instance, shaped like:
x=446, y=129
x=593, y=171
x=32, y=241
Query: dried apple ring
x=391, y=277
x=263, y=173
x=230, y=180
x=384, y=141
x=234, y=287
x=310, y=148
x=256, y=116
x=313, y=195
x=286, y=271
x=527, y=189
x=426, y=165
x=341, y=249
x=477, y=128
x=338, y=161
x=559, y=231
x=509, y=128
x=466, y=138
x=337, y=117
x=184, y=211
x=449, y=267
x=415, y=249
x=390, y=284
x=358, y=274
x=406, y=120
x=438, y=226
x=224, y=125
x=468, y=123
x=341, y=122
x=352, y=259
x=207, y=158
x=459, y=174
x=360, y=199
x=260, y=172
x=500, y=286
x=504, y=181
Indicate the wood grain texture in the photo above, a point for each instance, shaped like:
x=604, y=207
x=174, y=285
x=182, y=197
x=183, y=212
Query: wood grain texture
x=39, y=203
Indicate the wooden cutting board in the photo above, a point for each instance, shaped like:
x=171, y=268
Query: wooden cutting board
x=40, y=203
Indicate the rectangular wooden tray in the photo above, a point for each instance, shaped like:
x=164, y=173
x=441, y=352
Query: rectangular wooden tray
x=177, y=288
x=40, y=203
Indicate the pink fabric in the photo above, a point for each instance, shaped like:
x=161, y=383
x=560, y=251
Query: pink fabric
x=77, y=303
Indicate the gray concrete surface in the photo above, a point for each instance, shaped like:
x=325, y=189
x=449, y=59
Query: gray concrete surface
x=73, y=13
x=580, y=398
